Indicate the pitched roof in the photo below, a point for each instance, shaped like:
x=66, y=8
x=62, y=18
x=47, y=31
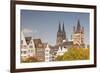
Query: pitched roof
x=38, y=43
x=28, y=40
x=68, y=43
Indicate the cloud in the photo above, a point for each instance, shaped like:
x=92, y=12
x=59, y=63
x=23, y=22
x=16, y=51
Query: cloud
x=30, y=32
x=25, y=30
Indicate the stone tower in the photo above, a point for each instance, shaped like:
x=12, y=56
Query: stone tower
x=78, y=35
x=63, y=32
x=61, y=35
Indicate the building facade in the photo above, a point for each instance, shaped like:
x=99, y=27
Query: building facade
x=24, y=48
x=31, y=48
x=48, y=56
x=61, y=35
x=40, y=50
x=78, y=35
x=61, y=51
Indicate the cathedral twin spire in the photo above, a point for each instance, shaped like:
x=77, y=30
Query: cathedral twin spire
x=61, y=34
x=79, y=28
x=63, y=28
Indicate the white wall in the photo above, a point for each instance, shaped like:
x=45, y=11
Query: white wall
x=5, y=36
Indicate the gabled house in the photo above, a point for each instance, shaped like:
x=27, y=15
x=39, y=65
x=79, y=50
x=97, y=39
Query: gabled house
x=40, y=50
x=23, y=48
x=48, y=56
x=31, y=48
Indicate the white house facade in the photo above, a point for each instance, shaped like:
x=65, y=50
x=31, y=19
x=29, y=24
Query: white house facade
x=31, y=48
x=61, y=51
x=24, y=48
x=47, y=54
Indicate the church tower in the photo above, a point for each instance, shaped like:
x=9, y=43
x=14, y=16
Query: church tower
x=78, y=35
x=63, y=31
x=61, y=35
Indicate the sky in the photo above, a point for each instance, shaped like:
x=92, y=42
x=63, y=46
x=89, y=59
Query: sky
x=44, y=24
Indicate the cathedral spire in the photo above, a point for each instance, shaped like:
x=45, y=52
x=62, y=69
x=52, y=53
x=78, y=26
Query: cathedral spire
x=59, y=30
x=63, y=28
x=63, y=31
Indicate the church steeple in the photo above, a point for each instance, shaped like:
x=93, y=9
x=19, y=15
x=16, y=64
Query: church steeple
x=63, y=28
x=59, y=30
x=63, y=31
x=78, y=26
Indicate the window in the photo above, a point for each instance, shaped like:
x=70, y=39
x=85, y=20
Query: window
x=23, y=52
x=30, y=46
x=47, y=54
x=30, y=51
x=25, y=46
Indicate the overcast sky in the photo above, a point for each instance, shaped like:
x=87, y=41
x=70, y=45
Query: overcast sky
x=44, y=24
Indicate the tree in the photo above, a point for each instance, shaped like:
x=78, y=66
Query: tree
x=59, y=58
x=74, y=54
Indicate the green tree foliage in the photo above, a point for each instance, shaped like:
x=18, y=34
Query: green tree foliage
x=59, y=58
x=74, y=54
